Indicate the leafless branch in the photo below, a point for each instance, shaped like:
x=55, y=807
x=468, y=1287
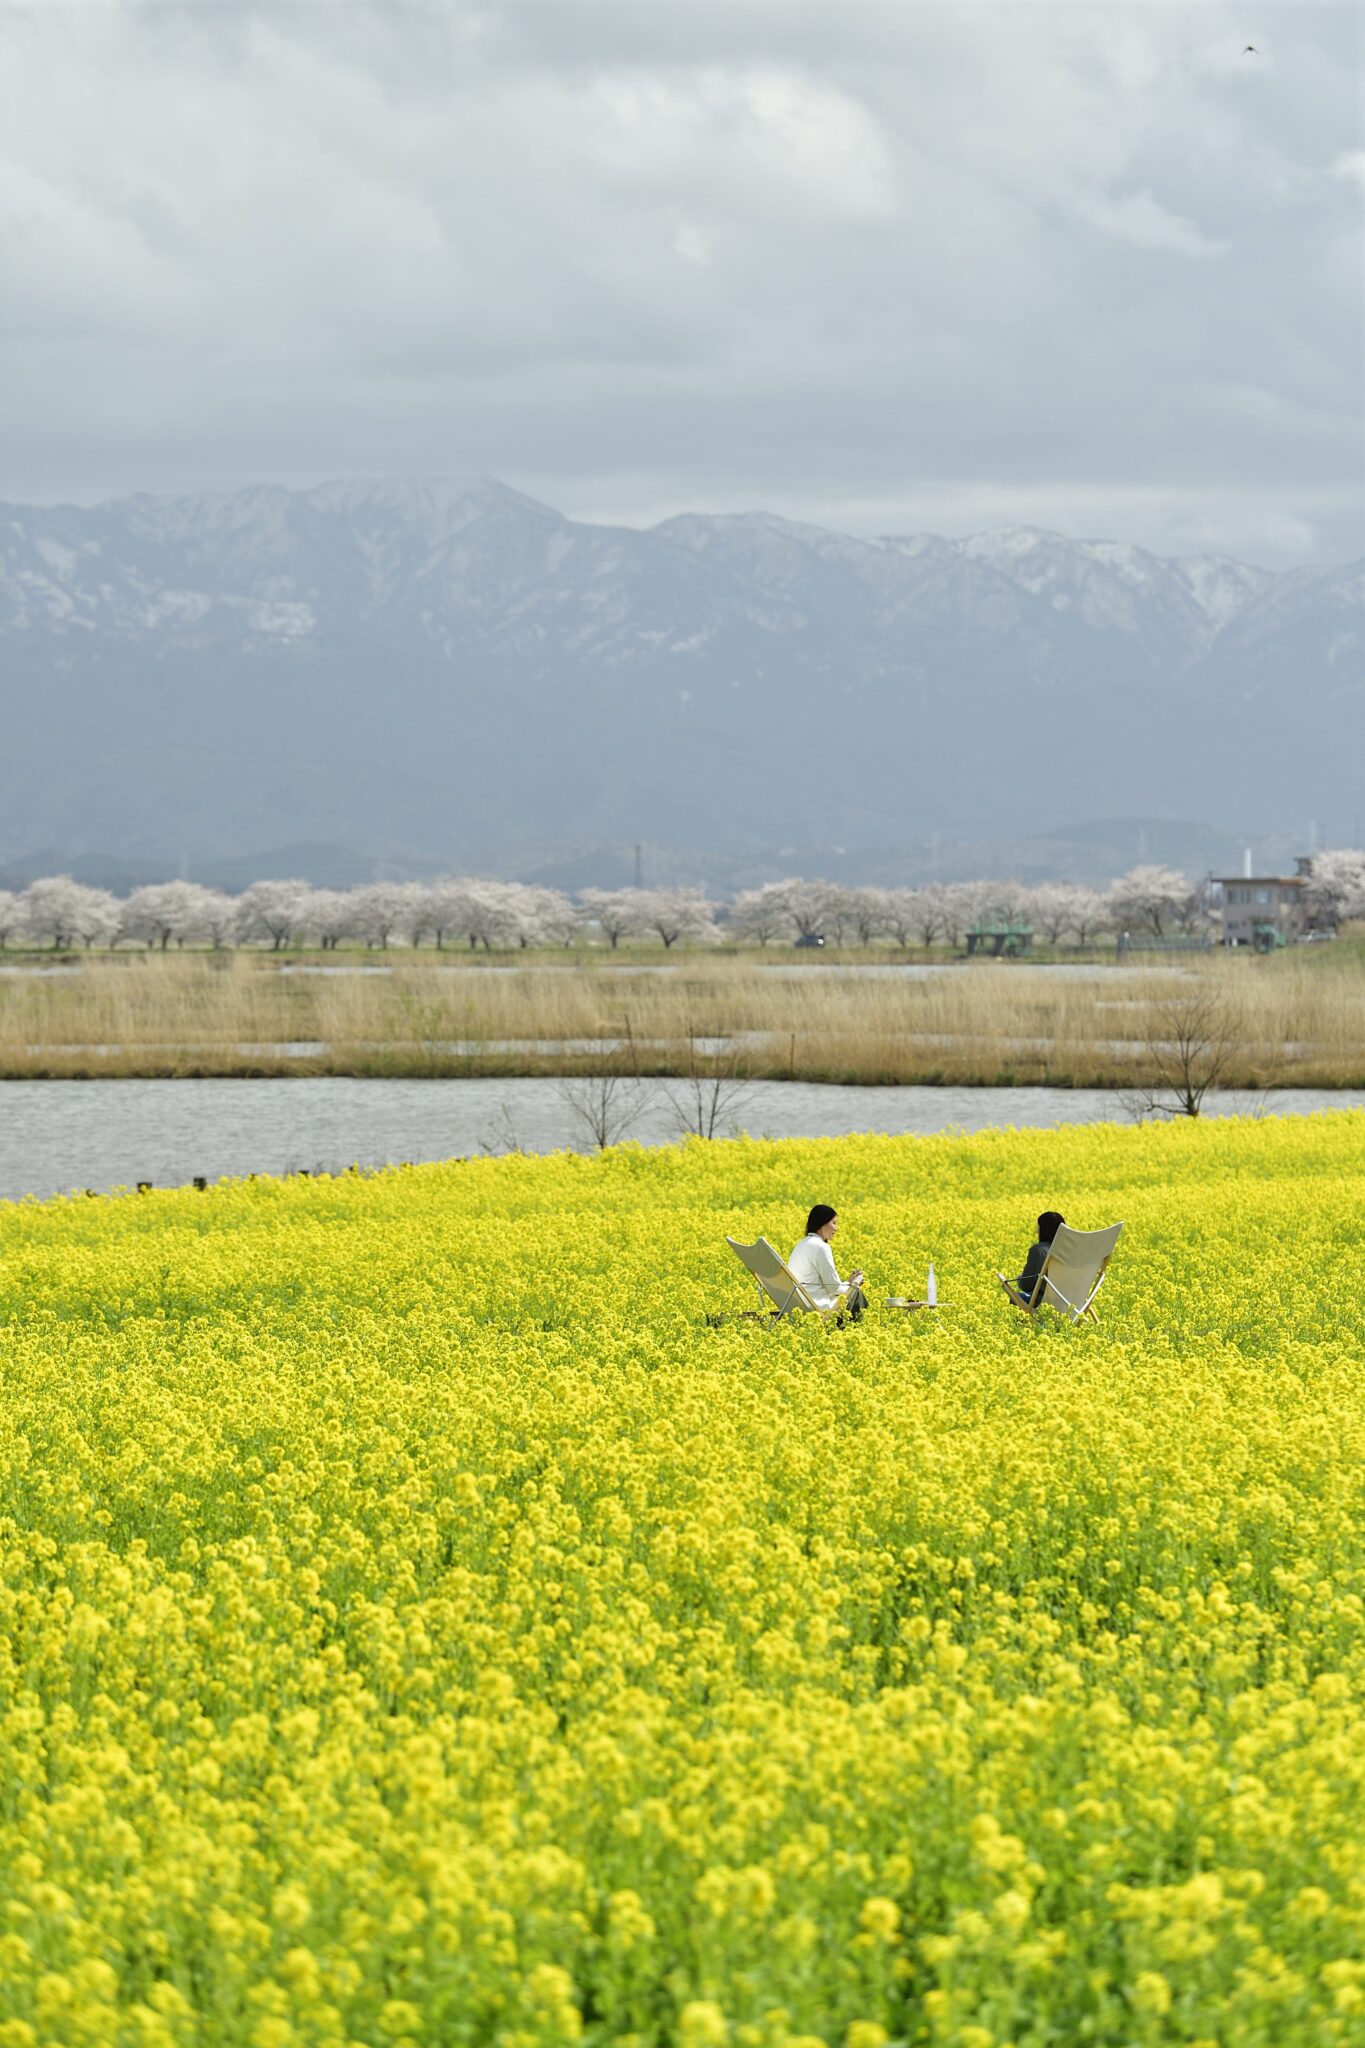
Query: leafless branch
x=711, y=1091
x=603, y=1105
x=503, y=1136
x=1191, y=1042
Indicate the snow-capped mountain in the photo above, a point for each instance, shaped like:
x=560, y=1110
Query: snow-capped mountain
x=440, y=664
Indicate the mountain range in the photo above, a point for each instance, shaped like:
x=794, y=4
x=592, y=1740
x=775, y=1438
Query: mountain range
x=434, y=667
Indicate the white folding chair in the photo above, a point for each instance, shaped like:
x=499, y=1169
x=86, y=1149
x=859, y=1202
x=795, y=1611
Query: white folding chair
x=1072, y=1273
x=775, y=1283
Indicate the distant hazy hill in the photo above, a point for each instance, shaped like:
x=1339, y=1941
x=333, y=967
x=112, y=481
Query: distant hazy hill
x=441, y=667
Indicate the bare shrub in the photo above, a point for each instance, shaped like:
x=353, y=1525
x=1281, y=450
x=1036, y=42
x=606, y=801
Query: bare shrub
x=1192, y=1040
x=603, y=1105
x=712, y=1089
x=502, y=1136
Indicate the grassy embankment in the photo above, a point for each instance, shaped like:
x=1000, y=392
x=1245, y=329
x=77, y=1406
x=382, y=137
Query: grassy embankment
x=1296, y=1020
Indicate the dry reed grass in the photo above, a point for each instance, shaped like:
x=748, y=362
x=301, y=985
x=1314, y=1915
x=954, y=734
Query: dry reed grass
x=234, y=1014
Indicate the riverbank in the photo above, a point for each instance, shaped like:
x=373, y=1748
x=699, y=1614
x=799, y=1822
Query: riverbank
x=883, y=1021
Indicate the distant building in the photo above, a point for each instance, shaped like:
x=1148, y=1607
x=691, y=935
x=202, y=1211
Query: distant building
x=1263, y=911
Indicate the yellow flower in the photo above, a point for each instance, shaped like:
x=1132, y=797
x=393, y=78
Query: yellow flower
x=1012, y=1910
x=866, y=2034
x=702, y=2024
x=628, y=1921
x=399, y=2016
x=1151, y=1993
x=272, y=2033
x=880, y=1917
x=290, y=1906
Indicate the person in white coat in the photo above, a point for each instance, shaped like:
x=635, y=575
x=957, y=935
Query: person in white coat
x=812, y=1263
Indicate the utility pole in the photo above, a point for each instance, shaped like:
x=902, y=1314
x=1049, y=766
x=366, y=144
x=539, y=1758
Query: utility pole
x=639, y=865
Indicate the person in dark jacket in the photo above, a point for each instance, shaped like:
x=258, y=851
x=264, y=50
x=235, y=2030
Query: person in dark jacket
x=1049, y=1223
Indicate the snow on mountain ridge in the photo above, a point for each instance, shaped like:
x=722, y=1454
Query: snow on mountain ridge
x=472, y=548
x=430, y=498
x=455, y=664
x=1220, y=586
x=1215, y=587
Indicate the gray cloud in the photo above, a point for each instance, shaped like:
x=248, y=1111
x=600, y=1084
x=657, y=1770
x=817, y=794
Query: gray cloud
x=924, y=265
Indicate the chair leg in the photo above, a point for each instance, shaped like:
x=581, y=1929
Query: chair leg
x=784, y=1311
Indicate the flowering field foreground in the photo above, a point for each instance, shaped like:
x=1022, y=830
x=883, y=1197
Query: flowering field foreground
x=418, y=1626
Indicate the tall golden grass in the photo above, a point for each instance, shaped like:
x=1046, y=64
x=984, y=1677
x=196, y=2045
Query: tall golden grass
x=1295, y=1020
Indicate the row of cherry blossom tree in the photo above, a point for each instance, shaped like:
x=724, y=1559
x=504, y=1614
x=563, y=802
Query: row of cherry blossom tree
x=509, y=916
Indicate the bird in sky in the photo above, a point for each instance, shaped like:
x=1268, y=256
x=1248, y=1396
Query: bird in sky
x=1251, y=51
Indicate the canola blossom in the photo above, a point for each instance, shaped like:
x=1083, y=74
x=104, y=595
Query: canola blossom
x=419, y=1626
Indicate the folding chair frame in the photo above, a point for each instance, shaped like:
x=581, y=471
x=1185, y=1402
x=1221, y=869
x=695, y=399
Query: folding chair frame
x=1038, y=1298
x=796, y=1298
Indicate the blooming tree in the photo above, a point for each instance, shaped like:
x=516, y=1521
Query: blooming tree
x=618, y=913
x=272, y=910
x=1054, y=907
x=761, y=914
x=441, y=911
x=381, y=910
x=1336, y=888
x=963, y=903
x=545, y=917
x=809, y=905
x=1152, y=899
x=68, y=913
x=867, y=910
x=1089, y=913
x=898, y=916
x=838, y=914
x=12, y=921
x=182, y=911
x=214, y=916
x=677, y=914
x=329, y=914
x=486, y=913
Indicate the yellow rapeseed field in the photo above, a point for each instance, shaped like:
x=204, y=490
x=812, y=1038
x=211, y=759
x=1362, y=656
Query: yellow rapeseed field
x=417, y=1626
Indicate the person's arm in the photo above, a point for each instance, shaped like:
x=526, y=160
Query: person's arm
x=829, y=1272
x=1033, y=1266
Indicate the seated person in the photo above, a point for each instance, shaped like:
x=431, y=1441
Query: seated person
x=812, y=1263
x=1049, y=1223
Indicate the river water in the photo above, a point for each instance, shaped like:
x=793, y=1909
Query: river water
x=56, y=1136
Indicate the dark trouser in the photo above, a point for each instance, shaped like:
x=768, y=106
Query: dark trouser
x=855, y=1301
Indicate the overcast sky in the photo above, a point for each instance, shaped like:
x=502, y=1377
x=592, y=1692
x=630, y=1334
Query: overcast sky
x=886, y=264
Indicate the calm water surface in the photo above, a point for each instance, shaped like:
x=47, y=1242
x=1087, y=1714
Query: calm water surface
x=782, y=970
x=61, y=1135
